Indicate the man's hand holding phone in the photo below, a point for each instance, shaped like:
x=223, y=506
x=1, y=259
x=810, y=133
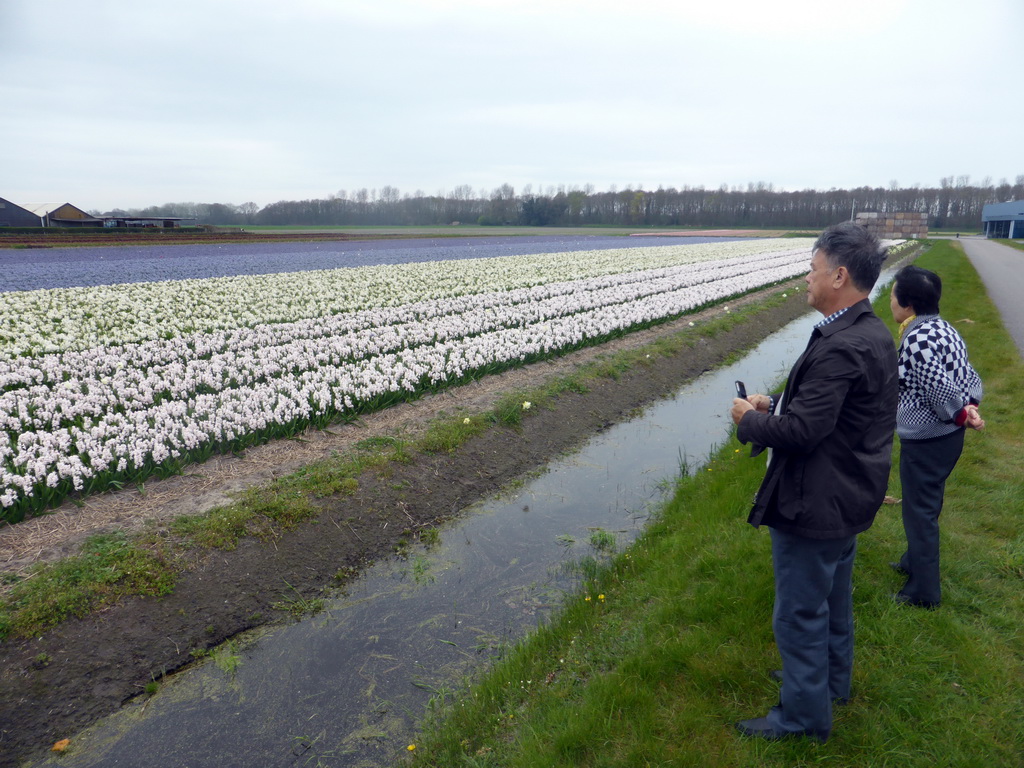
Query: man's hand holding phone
x=743, y=403
x=740, y=404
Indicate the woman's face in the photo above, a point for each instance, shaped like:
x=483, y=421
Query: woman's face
x=899, y=312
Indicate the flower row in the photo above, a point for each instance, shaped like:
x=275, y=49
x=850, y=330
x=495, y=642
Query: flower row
x=185, y=359
x=39, y=269
x=119, y=412
x=58, y=320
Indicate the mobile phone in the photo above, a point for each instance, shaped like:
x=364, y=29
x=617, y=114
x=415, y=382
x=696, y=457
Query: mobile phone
x=741, y=390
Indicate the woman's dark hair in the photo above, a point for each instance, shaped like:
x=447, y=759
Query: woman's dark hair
x=918, y=288
x=854, y=247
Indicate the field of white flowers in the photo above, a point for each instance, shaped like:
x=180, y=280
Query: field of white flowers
x=108, y=385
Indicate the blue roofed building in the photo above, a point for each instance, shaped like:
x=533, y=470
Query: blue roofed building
x=1004, y=220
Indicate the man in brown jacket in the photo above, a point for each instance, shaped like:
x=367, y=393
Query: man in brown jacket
x=829, y=435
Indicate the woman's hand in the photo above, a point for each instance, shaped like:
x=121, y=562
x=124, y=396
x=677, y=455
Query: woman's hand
x=974, y=420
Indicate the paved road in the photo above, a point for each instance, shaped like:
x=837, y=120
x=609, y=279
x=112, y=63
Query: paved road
x=1002, y=270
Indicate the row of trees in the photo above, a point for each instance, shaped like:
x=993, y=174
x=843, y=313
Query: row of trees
x=955, y=203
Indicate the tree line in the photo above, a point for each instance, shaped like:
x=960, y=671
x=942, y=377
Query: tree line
x=955, y=204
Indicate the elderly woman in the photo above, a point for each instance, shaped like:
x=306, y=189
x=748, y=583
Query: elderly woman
x=939, y=397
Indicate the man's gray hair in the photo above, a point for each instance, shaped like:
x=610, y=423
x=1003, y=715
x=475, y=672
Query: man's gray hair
x=854, y=247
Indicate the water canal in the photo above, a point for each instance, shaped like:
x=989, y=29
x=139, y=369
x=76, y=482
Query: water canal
x=348, y=686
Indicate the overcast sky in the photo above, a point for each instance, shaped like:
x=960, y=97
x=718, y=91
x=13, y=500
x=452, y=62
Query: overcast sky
x=118, y=103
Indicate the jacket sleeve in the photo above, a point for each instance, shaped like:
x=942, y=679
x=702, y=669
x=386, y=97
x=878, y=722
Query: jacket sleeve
x=812, y=410
x=925, y=372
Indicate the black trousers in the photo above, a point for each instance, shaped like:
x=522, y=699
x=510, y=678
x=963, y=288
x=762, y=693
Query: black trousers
x=924, y=467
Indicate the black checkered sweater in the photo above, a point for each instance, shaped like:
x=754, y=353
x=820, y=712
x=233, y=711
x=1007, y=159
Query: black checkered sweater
x=936, y=379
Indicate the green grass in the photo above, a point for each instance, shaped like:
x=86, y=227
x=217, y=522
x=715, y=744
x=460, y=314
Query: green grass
x=265, y=513
x=109, y=567
x=681, y=645
x=1018, y=244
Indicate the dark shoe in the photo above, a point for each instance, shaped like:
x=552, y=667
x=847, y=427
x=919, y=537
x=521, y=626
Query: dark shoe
x=899, y=569
x=838, y=701
x=760, y=728
x=903, y=599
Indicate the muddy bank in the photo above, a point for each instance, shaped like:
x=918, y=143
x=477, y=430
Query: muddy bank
x=95, y=664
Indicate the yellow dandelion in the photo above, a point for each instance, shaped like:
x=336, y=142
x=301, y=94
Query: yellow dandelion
x=411, y=747
x=465, y=420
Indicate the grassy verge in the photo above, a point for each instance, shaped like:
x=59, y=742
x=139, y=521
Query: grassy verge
x=109, y=567
x=671, y=642
x=1018, y=244
x=146, y=564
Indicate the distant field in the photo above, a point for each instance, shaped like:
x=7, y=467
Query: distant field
x=109, y=263
x=256, y=233
x=95, y=237
x=473, y=230
x=461, y=230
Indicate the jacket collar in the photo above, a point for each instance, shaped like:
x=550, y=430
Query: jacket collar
x=918, y=320
x=848, y=318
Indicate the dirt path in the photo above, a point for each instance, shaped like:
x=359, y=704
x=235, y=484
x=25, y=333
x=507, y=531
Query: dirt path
x=95, y=664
